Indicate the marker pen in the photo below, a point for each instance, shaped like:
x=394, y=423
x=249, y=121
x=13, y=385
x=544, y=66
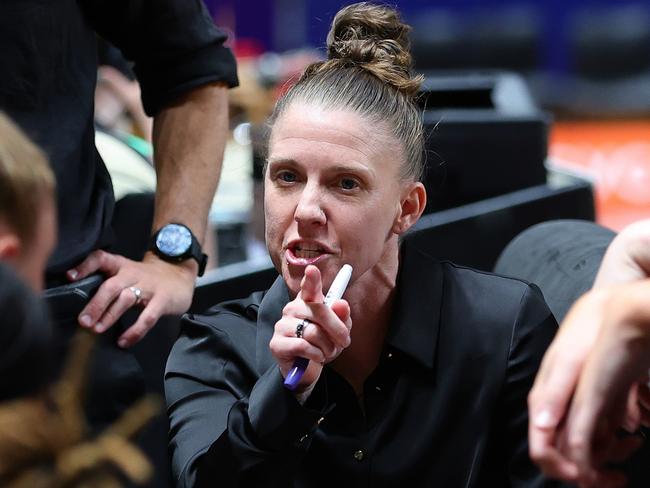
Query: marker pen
x=335, y=292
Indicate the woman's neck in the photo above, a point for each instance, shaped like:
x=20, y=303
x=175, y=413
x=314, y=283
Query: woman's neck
x=371, y=301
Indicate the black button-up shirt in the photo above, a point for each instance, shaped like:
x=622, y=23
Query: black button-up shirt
x=446, y=405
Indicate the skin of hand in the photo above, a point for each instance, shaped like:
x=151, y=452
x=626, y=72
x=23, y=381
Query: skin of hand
x=618, y=362
x=189, y=139
x=324, y=338
x=627, y=259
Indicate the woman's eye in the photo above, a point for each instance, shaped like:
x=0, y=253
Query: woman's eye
x=287, y=176
x=349, y=184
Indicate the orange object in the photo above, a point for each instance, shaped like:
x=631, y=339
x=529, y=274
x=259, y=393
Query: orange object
x=615, y=155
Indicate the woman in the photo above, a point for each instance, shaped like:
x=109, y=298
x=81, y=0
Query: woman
x=420, y=373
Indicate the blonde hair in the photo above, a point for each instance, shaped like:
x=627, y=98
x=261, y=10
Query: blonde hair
x=45, y=441
x=368, y=71
x=26, y=179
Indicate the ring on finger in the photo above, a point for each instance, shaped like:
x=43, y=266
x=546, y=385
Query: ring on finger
x=300, y=328
x=137, y=292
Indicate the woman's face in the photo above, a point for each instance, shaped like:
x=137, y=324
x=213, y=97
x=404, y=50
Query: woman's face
x=332, y=193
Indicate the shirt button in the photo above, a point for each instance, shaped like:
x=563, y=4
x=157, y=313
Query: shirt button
x=390, y=355
x=358, y=455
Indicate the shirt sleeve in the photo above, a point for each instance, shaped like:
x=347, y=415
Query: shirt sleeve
x=174, y=45
x=533, y=332
x=228, y=424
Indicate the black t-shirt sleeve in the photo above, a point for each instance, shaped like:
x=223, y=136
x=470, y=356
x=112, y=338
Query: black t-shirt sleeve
x=174, y=44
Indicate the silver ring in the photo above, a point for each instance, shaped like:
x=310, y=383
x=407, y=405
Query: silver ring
x=138, y=294
x=300, y=328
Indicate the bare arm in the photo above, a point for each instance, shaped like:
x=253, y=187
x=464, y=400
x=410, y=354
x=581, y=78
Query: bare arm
x=627, y=260
x=618, y=361
x=189, y=139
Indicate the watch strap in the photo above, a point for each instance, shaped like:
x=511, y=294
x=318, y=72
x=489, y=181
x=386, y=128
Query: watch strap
x=198, y=254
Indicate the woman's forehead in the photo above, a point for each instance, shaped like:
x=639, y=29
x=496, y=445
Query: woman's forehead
x=303, y=126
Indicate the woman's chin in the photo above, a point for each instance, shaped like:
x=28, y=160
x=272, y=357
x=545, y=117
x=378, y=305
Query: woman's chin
x=293, y=284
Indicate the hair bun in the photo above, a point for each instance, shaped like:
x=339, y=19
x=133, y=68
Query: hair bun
x=375, y=38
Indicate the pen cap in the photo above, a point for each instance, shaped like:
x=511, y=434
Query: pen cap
x=339, y=284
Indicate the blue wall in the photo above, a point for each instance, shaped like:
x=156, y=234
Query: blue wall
x=285, y=24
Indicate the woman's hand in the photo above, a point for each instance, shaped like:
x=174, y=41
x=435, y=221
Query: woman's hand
x=324, y=337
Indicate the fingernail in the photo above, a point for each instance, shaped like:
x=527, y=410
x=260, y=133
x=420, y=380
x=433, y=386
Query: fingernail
x=544, y=419
x=85, y=320
x=72, y=274
x=122, y=343
x=99, y=327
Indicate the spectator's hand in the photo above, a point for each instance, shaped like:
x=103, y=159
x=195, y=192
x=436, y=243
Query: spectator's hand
x=548, y=401
x=324, y=338
x=127, y=91
x=612, y=386
x=628, y=256
x=166, y=288
x=627, y=259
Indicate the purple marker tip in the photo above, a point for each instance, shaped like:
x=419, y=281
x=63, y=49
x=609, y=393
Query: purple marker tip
x=295, y=373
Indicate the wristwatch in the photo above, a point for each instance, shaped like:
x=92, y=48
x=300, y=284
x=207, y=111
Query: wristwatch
x=176, y=243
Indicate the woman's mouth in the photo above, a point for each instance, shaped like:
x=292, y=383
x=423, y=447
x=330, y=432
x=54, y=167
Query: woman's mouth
x=303, y=254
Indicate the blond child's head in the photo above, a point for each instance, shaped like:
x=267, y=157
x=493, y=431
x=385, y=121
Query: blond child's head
x=27, y=210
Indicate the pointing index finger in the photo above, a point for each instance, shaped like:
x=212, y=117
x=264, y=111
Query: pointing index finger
x=311, y=287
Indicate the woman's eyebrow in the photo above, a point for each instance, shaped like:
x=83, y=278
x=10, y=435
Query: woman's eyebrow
x=276, y=161
x=337, y=168
x=350, y=168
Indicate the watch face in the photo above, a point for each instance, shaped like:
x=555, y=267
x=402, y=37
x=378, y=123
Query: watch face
x=174, y=240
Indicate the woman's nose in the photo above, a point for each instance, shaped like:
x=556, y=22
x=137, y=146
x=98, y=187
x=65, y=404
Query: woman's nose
x=310, y=207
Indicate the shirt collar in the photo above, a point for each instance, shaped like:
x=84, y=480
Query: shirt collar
x=415, y=321
x=415, y=318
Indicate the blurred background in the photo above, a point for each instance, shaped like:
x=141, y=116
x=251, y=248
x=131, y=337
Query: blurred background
x=518, y=95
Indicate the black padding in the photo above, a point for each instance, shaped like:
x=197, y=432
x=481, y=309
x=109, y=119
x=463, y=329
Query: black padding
x=562, y=257
x=472, y=153
x=475, y=234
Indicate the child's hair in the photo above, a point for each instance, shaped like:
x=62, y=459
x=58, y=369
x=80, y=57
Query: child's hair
x=26, y=179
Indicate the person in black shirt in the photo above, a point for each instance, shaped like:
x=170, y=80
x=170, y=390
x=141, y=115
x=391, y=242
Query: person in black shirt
x=419, y=375
x=49, y=70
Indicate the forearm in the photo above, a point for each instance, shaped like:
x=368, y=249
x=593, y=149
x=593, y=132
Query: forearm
x=627, y=315
x=189, y=139
x=628, y=256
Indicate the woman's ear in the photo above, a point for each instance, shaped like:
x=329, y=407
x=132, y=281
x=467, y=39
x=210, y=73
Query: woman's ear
x=412, y=203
